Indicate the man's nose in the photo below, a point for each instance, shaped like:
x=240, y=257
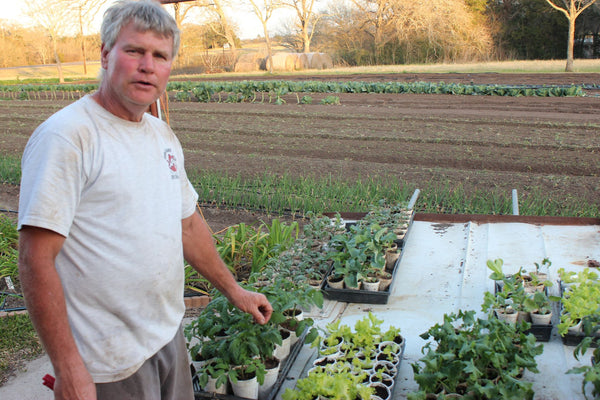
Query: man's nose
x=147, y=62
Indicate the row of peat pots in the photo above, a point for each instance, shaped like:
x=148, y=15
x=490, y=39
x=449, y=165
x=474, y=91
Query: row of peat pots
x=524, y=297
x=362, y=363
x=457, y=362
x=228, y=384
x=351, y=281
x=353, y=363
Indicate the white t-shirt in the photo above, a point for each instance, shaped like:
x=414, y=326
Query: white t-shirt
x=117, y=190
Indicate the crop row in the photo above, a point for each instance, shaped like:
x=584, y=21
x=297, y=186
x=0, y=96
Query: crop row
x=248, y=89
x=240, y=91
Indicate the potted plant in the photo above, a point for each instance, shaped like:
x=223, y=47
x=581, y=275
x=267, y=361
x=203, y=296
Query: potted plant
x=245, y=347
x=213, y=376
x=246, y=378
x=343, y=385
x=391, y=256
x=511, y=295
x=348, y=354
x=288, y=295
x=381, y=376
x=372, y=281
x=272, y=367
x=538, y=280
x=541, y=309
x=335, y=280
x=579, y=299
x=497, y=305
x=359, y=250
x=481, y=358
x=335, y=334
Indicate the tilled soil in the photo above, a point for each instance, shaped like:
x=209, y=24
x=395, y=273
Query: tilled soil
x=546, y=145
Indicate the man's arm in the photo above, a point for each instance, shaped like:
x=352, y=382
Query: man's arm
x=45, y=301
x=199, y=250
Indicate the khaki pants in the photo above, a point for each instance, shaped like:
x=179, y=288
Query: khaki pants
x=165, y=376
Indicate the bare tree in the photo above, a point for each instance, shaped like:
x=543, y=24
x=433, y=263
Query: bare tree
x=53, y=16
x=379, y=22
x=224, y=27
x=307, y=19
x=86, y=11
x=38, y=44
x=11, y=45
x=263, y=9
x=441, y=30
x=392, y=31
x=180, y=10
x=571, y=9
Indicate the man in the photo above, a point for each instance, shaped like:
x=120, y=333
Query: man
x=106, y=216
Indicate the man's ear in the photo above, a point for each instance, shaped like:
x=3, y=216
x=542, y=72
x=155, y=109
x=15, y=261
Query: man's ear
x=104, y=56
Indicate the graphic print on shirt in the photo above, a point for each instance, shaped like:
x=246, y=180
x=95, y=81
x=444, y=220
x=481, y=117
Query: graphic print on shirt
x=171, y=162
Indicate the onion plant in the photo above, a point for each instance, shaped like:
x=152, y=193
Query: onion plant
x=247, y=249
x=279, y=195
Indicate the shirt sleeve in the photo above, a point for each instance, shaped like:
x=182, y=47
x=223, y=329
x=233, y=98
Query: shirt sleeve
x=51, y=181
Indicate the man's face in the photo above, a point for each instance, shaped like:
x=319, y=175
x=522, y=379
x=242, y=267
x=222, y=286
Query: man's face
x=137, y=69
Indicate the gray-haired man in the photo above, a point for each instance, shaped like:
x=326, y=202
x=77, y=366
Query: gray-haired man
x=106, y=217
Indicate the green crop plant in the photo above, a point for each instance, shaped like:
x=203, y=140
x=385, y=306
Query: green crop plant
x=248, y=90
x=330, y=100
x=195, y=282
x=482, y=357
x=579, y=298
x=591, y=372
x=247, y=249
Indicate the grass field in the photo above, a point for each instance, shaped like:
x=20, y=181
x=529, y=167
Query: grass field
x=75, y=70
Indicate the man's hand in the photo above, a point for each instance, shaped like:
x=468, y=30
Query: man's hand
x=76, y=385
x=255, y=304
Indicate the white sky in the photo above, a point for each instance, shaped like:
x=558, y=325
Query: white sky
x=248, y=23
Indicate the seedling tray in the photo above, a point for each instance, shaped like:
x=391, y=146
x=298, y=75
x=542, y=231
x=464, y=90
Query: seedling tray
x=199, y=394
x=542, y=332
x=401, y=356
x=572, y=339
x=362, y=296
x=358, y=295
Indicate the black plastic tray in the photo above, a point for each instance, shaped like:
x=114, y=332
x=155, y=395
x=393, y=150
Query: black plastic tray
x=542, y=332
x=394, y=378
x=199, y=394
x=363, y=296
x=572, y=339
x=358, y=295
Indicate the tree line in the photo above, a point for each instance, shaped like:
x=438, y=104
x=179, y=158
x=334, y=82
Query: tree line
x=353, y=32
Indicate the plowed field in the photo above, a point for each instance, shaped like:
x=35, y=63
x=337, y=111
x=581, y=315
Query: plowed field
x=549, y=146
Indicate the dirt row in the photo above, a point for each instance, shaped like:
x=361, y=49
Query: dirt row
x=547, y=146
